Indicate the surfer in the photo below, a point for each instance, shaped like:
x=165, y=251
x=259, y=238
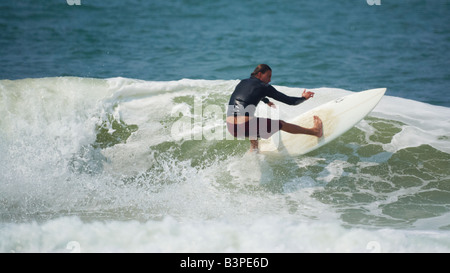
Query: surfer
x=241, y=121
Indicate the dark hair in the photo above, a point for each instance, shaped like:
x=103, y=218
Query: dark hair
x=263, y=68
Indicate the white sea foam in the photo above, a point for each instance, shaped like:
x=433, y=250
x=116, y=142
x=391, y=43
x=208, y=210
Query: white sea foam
x=267, y=234
x=425, y=123
x=151, y=192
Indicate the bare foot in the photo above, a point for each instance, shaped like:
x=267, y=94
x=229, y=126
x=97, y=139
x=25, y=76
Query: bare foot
x=318, y=126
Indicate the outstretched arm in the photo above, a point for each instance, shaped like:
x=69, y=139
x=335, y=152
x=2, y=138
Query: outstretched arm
x=307, y=94
x=275, y=94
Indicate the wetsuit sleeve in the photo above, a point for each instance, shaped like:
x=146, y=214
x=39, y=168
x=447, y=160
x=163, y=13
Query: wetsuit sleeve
x=277, y=95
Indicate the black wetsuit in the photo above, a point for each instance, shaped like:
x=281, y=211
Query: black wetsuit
x=246, y=96
x=250, y=92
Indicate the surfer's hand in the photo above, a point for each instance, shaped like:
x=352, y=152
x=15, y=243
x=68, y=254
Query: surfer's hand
x=307, y=94
x=271, y=104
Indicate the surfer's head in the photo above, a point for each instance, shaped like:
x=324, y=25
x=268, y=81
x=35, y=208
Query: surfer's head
x=263, y=72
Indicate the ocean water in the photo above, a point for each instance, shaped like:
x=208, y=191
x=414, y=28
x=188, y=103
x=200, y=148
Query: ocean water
x=112, y=133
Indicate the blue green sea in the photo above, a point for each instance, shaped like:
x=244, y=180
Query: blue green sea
x=92, y=157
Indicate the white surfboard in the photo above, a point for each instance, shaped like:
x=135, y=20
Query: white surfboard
x=338, y=116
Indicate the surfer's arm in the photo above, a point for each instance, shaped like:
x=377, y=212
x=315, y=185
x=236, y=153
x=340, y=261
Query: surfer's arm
x=307, y=94
x=268, y=102
x=277, y=95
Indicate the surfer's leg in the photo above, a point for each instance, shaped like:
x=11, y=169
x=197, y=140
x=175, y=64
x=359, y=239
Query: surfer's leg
x=254, y=145
x=317, y=130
